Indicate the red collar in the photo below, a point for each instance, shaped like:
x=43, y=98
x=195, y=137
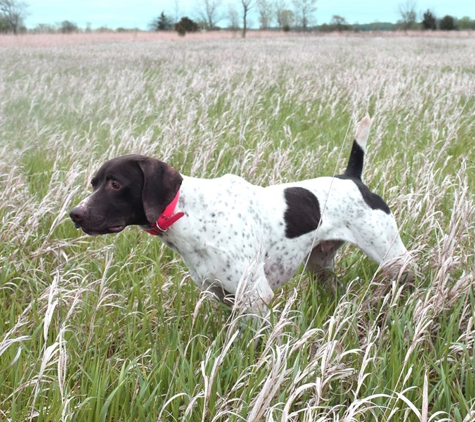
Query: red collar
x=166, y=218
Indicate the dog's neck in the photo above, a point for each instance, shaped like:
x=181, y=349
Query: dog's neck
x=186, y=197
x=167, y=218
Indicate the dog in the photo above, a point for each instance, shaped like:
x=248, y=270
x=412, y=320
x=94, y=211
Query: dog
x=240, y=241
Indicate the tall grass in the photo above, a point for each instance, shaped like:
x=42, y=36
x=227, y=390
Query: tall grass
x=112, y=328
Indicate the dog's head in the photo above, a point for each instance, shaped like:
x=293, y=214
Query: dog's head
x=128, y=190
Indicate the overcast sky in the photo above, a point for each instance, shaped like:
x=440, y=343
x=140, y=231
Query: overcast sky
x=139, y=13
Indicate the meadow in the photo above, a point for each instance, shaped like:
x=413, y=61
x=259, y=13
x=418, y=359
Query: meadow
x=112, y=328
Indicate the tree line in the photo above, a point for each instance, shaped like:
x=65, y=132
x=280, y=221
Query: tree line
x=272, y=14
x=411, y=20
x=285, y=15
x=298, y=15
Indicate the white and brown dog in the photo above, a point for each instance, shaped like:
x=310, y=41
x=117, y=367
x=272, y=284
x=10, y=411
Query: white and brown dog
x=236, y=237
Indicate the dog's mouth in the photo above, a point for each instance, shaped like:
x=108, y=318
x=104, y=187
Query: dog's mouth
x=116, y=229
x=107, y=230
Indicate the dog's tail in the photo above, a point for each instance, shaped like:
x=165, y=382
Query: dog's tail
x=354, y=169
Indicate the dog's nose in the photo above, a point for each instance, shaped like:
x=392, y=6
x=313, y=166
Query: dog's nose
x=77, y=214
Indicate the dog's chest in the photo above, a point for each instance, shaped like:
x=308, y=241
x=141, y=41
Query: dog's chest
x=228, y=258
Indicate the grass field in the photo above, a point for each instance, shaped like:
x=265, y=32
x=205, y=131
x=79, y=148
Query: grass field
x=112, y=328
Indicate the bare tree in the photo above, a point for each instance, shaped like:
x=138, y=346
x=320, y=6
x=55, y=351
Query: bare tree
x=176, y=11
x=284, y=16
x=408, y=13
x=233, y=17
x=246, y=6
x=266, y=13
x=304, y=10
x=285, y=19
x=14, y=12
x=208, y=12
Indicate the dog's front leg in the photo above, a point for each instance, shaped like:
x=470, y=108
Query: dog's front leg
x=252, y=305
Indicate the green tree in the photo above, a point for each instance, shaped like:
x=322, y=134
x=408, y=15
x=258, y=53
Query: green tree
x=186, y=25
x=161, y=23
x=447, y=23
x=67, y=27
x=466, y=23
x=429, y=21
x=339, y=23
x=4, y=25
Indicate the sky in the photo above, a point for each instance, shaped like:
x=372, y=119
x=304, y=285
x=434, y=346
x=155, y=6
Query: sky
x=139, y=13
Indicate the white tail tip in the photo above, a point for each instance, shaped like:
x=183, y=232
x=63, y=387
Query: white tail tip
x=362, y=131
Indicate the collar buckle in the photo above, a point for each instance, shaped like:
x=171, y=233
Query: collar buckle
x=167, y=218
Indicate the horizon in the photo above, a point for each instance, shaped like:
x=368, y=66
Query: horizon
x=139, y=14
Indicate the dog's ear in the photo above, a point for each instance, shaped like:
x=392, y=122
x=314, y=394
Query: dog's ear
x=161, y=183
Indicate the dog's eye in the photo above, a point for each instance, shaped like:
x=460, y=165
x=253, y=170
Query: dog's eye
x=115, y=185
